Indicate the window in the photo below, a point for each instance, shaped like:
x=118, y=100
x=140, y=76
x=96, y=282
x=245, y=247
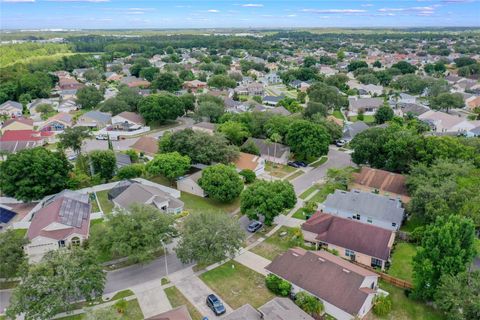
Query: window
x=376, y=262
x=76, y=241
x=61, y=243
x=369, y=220
x=394, y=224
x=349, y=253
x=356, y=216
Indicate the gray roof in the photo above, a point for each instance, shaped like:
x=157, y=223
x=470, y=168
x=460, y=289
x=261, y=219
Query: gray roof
x=245, y=312
x=413, y=108
x=15, y=146
x=139, y=193
x=353, y=129
x=274, y=99
x=98, y=116
x=279, y=110
x=270, y=148
x=122, y=160
x=355, y=104
x=13, y=104
x=283, y=309
x=119, y=188
x=365, y=203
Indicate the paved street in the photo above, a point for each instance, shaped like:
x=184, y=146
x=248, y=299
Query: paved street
x=137, y=274
x=336, y=159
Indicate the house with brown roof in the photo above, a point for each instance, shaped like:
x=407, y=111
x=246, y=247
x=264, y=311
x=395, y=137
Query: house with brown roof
x=194, y=85
x=63, y=220
x=355, y=241
x=346, y=290
x=179, y=313
x=382, y=182
x=17, y=124
x=250, y=162
x=146, y=145
x=128, y=117
x=134, y=82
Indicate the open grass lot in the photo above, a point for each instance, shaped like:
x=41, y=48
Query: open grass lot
x=278, y=170
x=132, y=312
x=337, y=114
x=105, y=204
x=295, y=175
x=402, y=261
x=94, y=203
x=319, y=162
x=404, y=308
x=198, y=204
x=20, y=232
x=238, y=285
x=177, y=299
x=366, y=119
x=276, y=244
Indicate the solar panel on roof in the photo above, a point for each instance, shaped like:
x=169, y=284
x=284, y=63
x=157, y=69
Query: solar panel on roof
x=6, y=215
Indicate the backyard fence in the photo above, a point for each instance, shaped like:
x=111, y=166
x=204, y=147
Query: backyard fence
x=388, y=278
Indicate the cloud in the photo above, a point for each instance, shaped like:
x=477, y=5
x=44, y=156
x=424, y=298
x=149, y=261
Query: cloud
x=334, y=11
x=422, y=9
x=18, y=1
x=252, y=5
x=213, y=11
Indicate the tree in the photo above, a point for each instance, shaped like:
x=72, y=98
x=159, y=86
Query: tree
x=46, y=110
x=136, y=233
x=446, y=101
x=377, y=64
x=210, y=110
x=314, y=108
x=221, y=182
x=138, y=65
x=354, y=65
x=447, y=247
x=307, y=140
x=89, y=97
x=188, y=100
x=404, y=67
x=382, y=305
x=235, y=132
x=73, y=138
x=277, y=285
x=167, y=81
x=12, y=255
x=170, y=165
x=149, y=73
x=160, y=108
x=383, y=114
x=103, y=163
x=309, y=303
x=457, y=296
x=130, y=96
x=131, y=171
x=209, y=237
x=92, y=75
x=250, y=147
x=221, y=81
x=327, y=95
x=334, y=130
x=267, y=198
x=32, y=174
x=248, y=175
x=464, y=61
x=61, y=278
x=115, y=106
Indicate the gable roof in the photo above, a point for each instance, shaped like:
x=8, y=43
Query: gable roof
x=350, y=234
x=367, y=204
x=281, y=110
x=147, y=145
x=324, y=275
x=441, y=118
x=70, y=208
x=11, y=104
x=140, y=193
x=180, y=313
x=28, y=122
x=98, y=116
x=247, y=161
x=365, y=102
x=132, y=116
x=270, y=148
x=283, y=309
x=354, y=128
x=24, y=135
x=62, y=117
x=381, y=180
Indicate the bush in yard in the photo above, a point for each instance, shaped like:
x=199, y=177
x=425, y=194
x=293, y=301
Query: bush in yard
x=277, y=285
x=248, y=175
x=121, y=306
x=131, y=171
x=382, y=305
x=309, y=303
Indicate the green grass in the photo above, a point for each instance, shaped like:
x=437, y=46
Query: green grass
x=300, y=214
x=195, y=203
x=404, y=308
x=105, y=204
x=295, y=175
x=20, y=232
x=319, y=162
x=94, y=203
x=412, y=223
x=160, y=180
x=164, y=281
x=276, y=244
x=122, y=294
x=337, y=114
x=366, y=119
x=309, y=191
x=402, y=261
x=177, y=299
x=325, y=190
x=132, y=312
x=278, y=170
x=238, y=285
x=8, y=284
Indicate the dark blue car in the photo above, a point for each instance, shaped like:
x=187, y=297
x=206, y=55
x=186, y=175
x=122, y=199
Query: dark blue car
x=215, y=304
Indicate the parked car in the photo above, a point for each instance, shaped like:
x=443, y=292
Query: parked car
x=293, y=164
x=254, y=226
x=301, y=164
x=215, y=304
x=340, y=143
x=72, y=157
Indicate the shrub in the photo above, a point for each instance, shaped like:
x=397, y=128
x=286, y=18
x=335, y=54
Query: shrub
x=308, y=303
x=248, y=175
x=277, y=285
x=382, y=305
x=131, y=171
x=121, y=306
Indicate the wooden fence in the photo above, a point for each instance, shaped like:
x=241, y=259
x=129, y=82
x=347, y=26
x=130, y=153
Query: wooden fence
x=388, y=278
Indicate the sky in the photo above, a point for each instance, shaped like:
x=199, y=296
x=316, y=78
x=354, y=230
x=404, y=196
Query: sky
x=130, y=14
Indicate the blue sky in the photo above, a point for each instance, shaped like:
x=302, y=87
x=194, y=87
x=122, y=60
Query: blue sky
x=110, y=14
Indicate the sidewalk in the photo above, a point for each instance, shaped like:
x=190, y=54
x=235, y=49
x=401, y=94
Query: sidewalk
x=152, y=299
x=253, y=261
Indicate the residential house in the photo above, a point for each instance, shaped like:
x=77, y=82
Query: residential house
x=205, y=127
x=443, y=122
x=57, y=123
x=127, y=193
x=62, y=221
x=251, y=89
x=355, y=241
x=127, y=117
x=194, y=85
x=146, y=145
x=346, y=290
x=382, y=182
x=365, y=89
x=16, y=140
x=123, y=160
x=352, y=129
x=405, y=109
x=273, y=152
x=190, y=184
x=327, y=70
x=275, y=309
x=69, y=83
x=233, y=106
x=251, y=162
x=11, y=108
x=134, y=82
x=368, y=105
x=272, y=100
x=17, y=124
x=366, y=207
x=179, y=313
x=67, y=105
x=94, y=119
x=279, y=110
x=272, y=78
x=32, y=106
x=472, y=102
x=112, y=76
x=79, y=73
x=407, y=98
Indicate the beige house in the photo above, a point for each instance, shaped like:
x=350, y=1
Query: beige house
x=190, y=184
x=17, y=124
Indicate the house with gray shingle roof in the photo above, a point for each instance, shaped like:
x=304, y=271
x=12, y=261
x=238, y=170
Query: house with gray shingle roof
x=352, y=129
x=94, y=119
x=368, y=105
x=11, y=108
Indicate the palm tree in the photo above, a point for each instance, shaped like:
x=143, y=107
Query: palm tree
x=276, y=138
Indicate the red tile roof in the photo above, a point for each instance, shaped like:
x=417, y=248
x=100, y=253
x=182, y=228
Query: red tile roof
x=24, y=135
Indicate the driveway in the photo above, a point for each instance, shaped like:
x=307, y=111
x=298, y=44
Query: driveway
x=152, y=299
x=4, y=299
x=336, y=159
x=138, y=274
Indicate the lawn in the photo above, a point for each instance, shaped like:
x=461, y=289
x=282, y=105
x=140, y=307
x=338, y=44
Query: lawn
x=295, y=175
x=177, y=299
x=337, y=114
x=276, y=244
x=238, y=285
x=404, y=308
x=319, y=162
x=105, y=204
x=300, y=214
x=161, y=180
x=412, y=223
x=325, y=190
x=195, y=203
x=122, y=294
x=309, y=191
x=93, y=202
x=20, y=232
x=278, y=170
x=132, y=312
x=402, y=261
x=366, y=119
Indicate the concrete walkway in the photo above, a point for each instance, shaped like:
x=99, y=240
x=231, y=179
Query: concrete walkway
x=253, y=261
x=152, y=299
x=196, y=291
x=288, y=221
